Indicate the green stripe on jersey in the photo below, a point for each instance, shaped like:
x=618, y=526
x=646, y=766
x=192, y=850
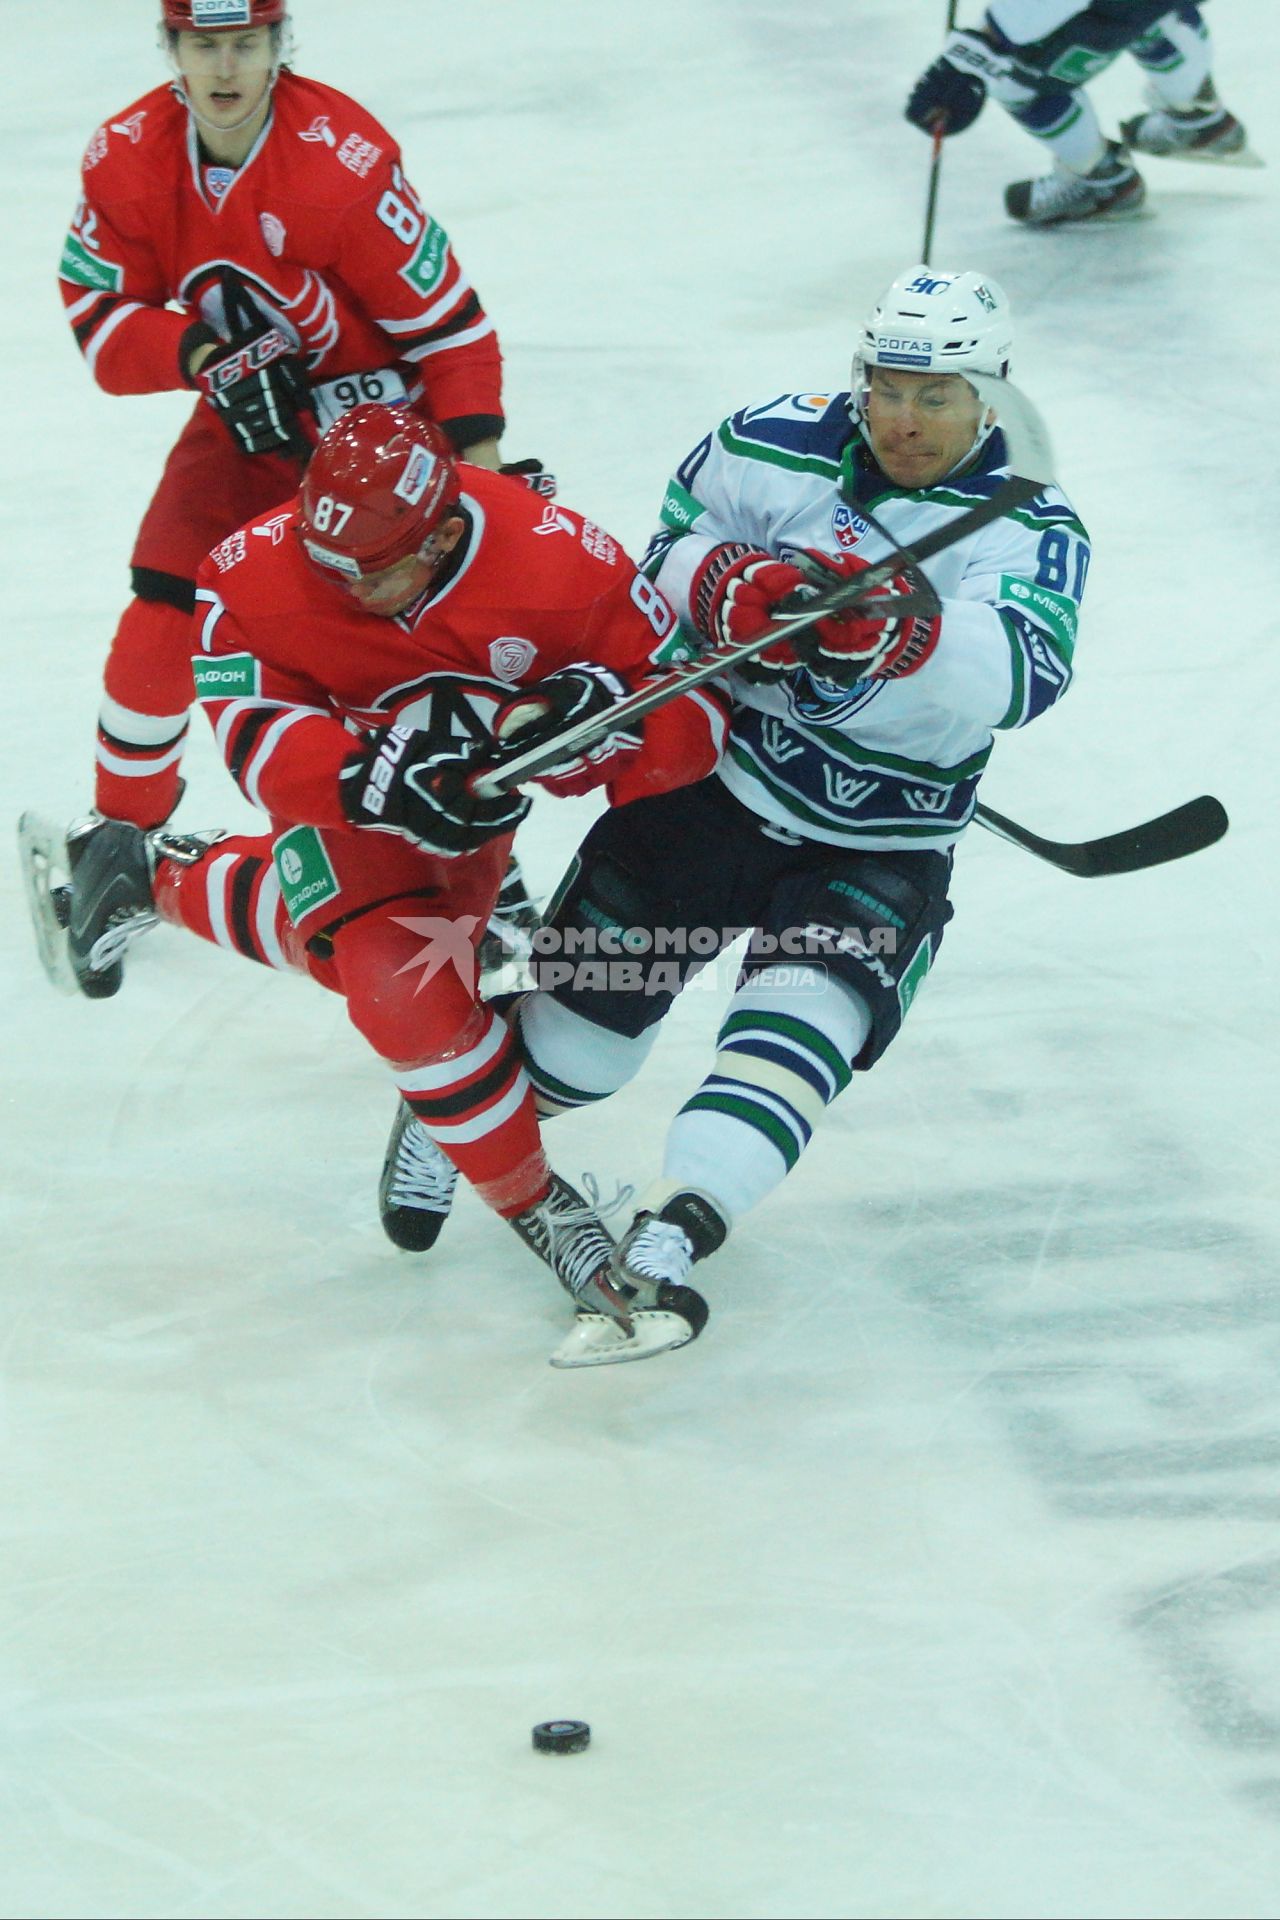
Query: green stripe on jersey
x=679, y=508
x=775, y=457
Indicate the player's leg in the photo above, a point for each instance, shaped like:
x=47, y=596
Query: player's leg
x=208, y=489
x=1042, y=88
x=824, y=989
x=410, y=984
x=656, y=889
x=1186, y=119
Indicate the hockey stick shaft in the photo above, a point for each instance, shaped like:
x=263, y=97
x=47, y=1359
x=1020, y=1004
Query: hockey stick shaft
x=1170, y=836
x=935, y=165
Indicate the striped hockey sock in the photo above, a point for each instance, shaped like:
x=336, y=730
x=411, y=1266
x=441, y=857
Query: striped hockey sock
x=478, y=1107
x=142, y=721
x=232, y=897
x=782, y=1057
x=1177, y=57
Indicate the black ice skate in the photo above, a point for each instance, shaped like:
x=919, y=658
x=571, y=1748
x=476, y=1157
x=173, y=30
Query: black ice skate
x=90, y=894
x=568, y=1234
x=417, y=1186
x=1114, y=190
x=654, y=1258
x=1202, y=131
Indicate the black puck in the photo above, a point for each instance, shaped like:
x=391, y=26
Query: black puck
x=561, y=1736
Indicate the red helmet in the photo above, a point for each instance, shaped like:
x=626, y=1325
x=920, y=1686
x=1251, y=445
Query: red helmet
x=378, y=484
x=220, y=16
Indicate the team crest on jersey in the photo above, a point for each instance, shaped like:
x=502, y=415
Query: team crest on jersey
x=848, y=526
x=132, y=127
x=320, y=131
x=511, y=656
x=272, y=233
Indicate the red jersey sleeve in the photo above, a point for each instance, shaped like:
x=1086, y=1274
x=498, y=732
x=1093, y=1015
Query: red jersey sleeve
x=276, y=730
x=401, y=264
x=632, y=629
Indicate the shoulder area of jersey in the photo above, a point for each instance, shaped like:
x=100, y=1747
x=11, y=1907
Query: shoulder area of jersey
x=265, y=548
x=817, y=425
x=123, y=149
x=351, y=151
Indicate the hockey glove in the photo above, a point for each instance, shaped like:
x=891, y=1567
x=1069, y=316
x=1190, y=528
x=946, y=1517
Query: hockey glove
x=732, y=596
x=539, y=712
x=399, y=781
x=256, y=382
x=863, y=644
x=954, y=88
x=534, y=475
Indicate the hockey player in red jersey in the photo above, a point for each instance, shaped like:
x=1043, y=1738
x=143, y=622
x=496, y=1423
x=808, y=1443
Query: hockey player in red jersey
x=362, y=654
x=250, y=235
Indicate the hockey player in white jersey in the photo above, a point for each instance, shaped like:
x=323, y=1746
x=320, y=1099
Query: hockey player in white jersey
x=1034, y=57
x=851, y=768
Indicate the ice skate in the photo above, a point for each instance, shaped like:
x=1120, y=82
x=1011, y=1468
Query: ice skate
x=1113, y=190
x=567, y=1233
x=417, y=1186
x=90, y=894
x=1202, y=131
x=655, y=1256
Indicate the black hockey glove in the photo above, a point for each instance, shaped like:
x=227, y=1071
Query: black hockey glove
x=954, y=88
x=399, y=781
x=534, y=475
x=549, y=707
x=257, y=383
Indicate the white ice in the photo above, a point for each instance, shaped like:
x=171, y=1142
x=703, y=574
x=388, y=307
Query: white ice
x=942, y=1575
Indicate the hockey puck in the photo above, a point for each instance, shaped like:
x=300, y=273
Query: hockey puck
x=561, y=1736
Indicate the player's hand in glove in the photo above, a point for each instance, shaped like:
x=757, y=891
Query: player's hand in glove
x=732, y=597
x=256, y=382
x=549, y=707
x=534, y=475
x=865, y=644
x=739, y=591
x=400, y=781
x=954, y=88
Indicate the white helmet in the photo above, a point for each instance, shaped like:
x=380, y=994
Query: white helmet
x=935, y=321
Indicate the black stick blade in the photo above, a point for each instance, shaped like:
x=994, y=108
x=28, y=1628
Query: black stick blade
x=1186, y=829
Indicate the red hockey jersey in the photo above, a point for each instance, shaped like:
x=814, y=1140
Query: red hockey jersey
x=319, y=223
x=289, y=665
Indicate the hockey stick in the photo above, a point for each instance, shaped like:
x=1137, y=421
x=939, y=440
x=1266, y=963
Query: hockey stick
x=1186, y=829
x=935, y=163
x=1031, y=458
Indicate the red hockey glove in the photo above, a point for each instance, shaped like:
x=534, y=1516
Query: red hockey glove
x=863, y=644
x=731, y=597
x=399, y=781
x=539, y=712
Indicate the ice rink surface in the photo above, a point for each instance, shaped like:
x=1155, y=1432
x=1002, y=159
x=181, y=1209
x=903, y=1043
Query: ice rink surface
x=942, y=1576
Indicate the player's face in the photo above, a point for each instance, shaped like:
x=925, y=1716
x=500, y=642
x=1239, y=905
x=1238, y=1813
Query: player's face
x=391, y=589
x=920, y=425
x=227, y=75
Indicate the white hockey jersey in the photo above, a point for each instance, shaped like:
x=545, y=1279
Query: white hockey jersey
x=887, y=763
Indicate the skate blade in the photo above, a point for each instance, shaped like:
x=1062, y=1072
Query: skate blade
x=597, y=1341
x=42, y=849
x=1245, y=157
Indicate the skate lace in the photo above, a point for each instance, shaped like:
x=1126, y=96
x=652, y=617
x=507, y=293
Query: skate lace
x=124, y=926
x=660, y=1251
x=577, y=1246
x=1061, y=189
x=421, y=1174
